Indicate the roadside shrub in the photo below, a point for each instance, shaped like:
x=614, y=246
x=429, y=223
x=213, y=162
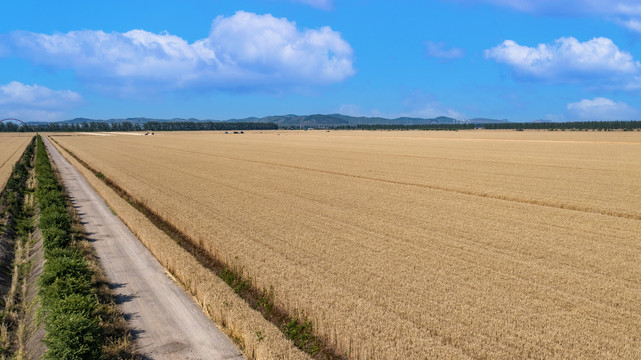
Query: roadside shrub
x=73, y=331
x=55, y=217
x=66, y=293
x=62, y=263
x=51, y=198
x=55, y=238
x=62, y=288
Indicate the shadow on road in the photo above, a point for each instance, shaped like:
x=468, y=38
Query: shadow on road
x=122, y=298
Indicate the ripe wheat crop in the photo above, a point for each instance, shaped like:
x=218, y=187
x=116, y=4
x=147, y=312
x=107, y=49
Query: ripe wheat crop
x=413, y=245
x=11, y=148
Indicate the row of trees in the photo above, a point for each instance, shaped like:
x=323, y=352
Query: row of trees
x=450, y=127
x=128, y=126
x=208, y=125
x=211, y=125
x=579, y=125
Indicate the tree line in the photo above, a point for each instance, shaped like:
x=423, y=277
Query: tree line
x=579, y=125
x=129, y=126
x=235, y=126
x=449, y=127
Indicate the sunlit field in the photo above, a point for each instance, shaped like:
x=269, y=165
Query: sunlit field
x=12, y=146
x=410, y=245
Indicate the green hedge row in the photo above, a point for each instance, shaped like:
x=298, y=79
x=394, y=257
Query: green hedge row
x=69, y=301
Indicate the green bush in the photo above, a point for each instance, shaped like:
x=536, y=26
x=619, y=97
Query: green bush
x=55, y=217
x=55, y=238
x=63, y=288
x=63, y=263
x=51, y=198
x=73, y=331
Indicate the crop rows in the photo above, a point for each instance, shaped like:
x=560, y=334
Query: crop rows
x=11, y=148
x=413, y=245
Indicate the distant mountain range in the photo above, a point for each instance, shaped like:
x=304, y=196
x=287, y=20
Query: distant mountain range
x=317, y=120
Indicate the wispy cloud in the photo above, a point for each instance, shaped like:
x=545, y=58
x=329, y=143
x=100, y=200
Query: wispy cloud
x=633, y=25
x=568, y=7
x=600, y=109
x=623, y=12
x=597, y=62
x=442, y=51
x=35, y=102
x=246, y=52
x=319, y=4
x=416, y=104
x=423, y=105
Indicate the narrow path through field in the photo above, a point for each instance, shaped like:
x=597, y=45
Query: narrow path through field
x=167, y=323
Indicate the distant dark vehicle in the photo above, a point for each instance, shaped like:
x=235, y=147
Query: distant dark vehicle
x=226, y=132
x=242, y=132
x=235, y=132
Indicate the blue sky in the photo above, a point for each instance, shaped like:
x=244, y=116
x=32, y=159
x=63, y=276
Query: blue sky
x=520, y=60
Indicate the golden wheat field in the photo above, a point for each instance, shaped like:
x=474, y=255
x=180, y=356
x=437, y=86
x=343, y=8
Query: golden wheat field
x=413, y=245
x=12, y=146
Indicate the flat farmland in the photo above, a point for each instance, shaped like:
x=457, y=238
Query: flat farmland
x=413, y=245
x=12, y=146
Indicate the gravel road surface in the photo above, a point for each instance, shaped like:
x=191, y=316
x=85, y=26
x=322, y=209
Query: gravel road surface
x=166, y=323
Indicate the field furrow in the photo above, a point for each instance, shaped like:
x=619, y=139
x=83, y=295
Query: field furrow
x=413, y=245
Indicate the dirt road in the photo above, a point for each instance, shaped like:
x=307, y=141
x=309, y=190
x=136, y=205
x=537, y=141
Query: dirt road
x=166, y=322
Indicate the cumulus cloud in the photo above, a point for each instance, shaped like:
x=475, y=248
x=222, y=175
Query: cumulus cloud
x=245, y=51
x=35, y=102
x=596, y=62
x=440, y=50
x=600, y=109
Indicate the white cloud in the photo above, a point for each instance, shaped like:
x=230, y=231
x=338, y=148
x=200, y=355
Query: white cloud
x=431, y=110
x=569, y=7
x=620, y=11
x=600, y=109
x=351, y=110
x=440, y=50
x=416, y=104
x=596, y=62
x=422, y=105
x=245, y=51
x=18, y=94
x=35, y=102
x=632, y=25
x=320, y=4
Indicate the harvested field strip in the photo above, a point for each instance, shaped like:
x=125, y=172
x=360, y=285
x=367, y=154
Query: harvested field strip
x=390, y=270
x=11, y=148
x=597, y=175
x=298, y=330
x=433, y=187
